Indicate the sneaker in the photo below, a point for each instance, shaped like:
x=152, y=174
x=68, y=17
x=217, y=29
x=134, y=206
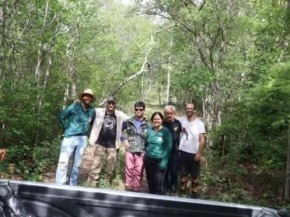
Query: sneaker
x=166, y=191
x=182, y=193
x=173, y=191
x=194, y=195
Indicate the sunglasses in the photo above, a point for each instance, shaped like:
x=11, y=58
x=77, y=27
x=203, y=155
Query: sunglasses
x=138, y=109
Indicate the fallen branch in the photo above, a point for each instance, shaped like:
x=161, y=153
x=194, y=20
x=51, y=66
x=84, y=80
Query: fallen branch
x=143, y=69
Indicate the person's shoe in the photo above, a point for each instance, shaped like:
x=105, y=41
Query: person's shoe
x=194, y=195
x=127, y=188
x=173, y=191
x=167, y=191
x=182, y=193
x=93, y=184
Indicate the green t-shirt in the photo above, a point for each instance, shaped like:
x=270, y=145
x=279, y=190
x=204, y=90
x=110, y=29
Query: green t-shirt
x=158, y=145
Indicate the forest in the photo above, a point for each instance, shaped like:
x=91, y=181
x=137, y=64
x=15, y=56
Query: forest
x=231, y=57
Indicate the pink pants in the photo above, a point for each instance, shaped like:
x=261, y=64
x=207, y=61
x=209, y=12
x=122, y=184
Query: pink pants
x=134, y=167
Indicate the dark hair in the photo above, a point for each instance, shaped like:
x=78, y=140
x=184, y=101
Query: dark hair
x=157, y=113
x=192, y=103
x=139, y=104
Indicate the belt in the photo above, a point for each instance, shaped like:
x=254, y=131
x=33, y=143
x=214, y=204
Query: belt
x=78, y=134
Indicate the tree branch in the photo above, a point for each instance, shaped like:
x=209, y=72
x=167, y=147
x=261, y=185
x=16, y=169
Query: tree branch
x=142, y=70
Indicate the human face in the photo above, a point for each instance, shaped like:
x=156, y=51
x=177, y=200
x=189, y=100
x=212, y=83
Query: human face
x=189, y=110
x=139, y=112
x=111, y=105
x=157, y=121
x=169, y=115
x=87, y=99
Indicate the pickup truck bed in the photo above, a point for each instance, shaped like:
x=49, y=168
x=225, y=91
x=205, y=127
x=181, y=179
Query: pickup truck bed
x=50, y=200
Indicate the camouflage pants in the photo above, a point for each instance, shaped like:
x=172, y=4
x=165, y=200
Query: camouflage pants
x=102, y=155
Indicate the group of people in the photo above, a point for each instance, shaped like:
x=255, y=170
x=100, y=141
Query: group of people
x=165, y=147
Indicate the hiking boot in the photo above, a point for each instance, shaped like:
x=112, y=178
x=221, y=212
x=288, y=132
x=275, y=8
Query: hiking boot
x=173, y=191
x=93, y=183
x=194, y=195
x=167, y=191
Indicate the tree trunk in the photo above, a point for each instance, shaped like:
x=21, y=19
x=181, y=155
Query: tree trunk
x=42, y=94
x=169, y=75
x=159, y=94
x=287, y=179
x=144, y=68
x=3, y=37
x=168, y=84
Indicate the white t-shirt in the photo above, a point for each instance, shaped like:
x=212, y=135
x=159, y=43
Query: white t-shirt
x=189, y=141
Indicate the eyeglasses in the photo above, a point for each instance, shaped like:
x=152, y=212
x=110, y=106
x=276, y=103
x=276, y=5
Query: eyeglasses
x=169, y=113
x=138, y=109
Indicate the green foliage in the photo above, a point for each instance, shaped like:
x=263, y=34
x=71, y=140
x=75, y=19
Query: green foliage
x=253, y=137
x=230, y=57
x=32, y=162
x=255, y=127
x=89, y=47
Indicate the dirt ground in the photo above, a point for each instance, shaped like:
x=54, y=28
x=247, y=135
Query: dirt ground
x=117, y=184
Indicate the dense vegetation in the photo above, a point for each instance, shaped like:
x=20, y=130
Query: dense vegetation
x=230, y=56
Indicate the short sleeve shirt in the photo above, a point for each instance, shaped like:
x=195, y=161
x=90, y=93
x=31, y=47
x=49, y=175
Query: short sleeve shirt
x=189, y=141
x=107, y=136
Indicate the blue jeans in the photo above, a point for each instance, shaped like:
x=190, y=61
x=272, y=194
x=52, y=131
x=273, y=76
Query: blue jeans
x=70, y=145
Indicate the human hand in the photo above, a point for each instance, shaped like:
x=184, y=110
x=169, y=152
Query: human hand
x=127, y=144
x=197, y=157
x=162, y=167
x=77, y=101
x=90, y=144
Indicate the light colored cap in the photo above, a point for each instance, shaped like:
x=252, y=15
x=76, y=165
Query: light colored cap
x=89, y=92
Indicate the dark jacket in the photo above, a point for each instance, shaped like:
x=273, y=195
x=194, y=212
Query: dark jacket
x=136, y=137
x=175, y=129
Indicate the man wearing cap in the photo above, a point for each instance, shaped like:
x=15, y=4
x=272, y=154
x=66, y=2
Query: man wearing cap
x=105, y=136
x=76, y=120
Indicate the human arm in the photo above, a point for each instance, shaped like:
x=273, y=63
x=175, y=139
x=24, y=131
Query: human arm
x=167, y=137
x=124, y=136
x=146, y=139
x=93, y=117
x=96, y=127
x=123, y=115
x=65, y=114
x=201, y=147
x=202, y=142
